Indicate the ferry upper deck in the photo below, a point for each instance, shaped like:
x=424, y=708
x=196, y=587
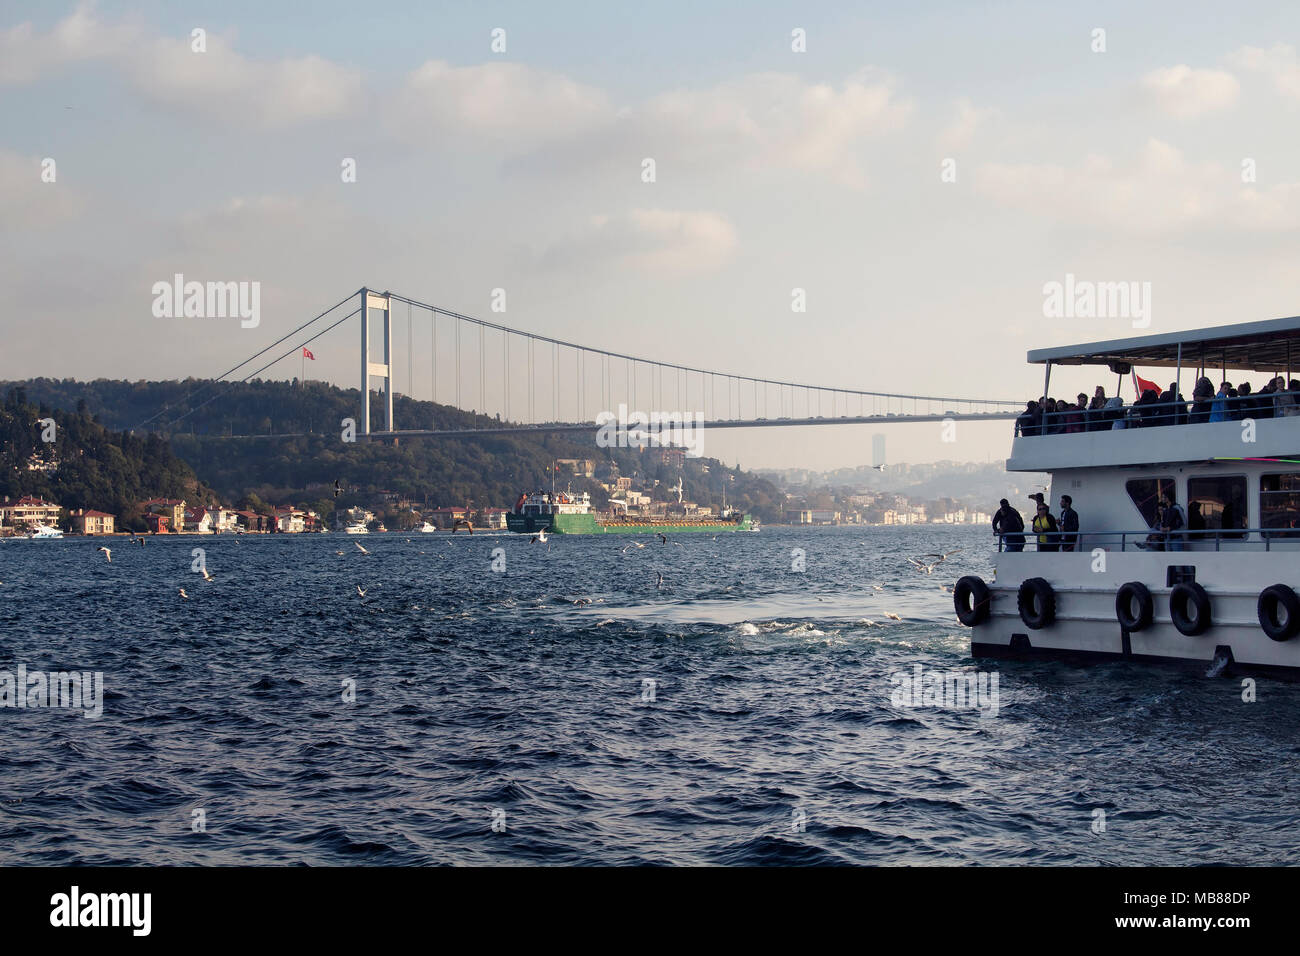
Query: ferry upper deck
x=1176, y=431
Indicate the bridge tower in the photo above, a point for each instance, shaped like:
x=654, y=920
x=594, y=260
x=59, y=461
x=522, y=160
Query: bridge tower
x=373, y=300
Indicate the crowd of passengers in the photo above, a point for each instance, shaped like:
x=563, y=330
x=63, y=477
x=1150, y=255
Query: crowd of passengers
x=1050, y=416
x=1169, y=531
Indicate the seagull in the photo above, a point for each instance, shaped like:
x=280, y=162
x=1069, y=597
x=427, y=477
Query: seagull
x=877, y=587
x=659, y=584
x=878, y=467
x=929, y=568
x=338, y=489
x=634, y=544
x=207, y=576
x=892, y=616
x=663, y=538
x=359, y=548
x=338, y=552
x=183, y=594
x=360, y=591
x=107, y=553
x=539, y=538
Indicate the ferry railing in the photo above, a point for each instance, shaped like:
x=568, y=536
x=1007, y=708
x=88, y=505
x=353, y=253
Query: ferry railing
x=1148, y=540
x=1160, y=414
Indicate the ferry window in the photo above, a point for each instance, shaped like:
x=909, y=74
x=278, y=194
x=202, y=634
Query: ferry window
x=1221, y=502
x=1146, y=494
x=1279, y=501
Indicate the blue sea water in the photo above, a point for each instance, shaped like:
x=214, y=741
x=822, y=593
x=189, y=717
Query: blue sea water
x=567, y=710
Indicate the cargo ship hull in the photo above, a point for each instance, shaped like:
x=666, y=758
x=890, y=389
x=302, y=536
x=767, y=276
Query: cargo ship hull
x=591, y=524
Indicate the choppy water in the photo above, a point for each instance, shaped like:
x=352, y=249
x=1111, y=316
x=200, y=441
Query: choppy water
x=770, y=738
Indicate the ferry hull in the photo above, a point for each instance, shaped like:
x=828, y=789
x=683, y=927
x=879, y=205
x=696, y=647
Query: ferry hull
x=1086, y=625
x=589, y=524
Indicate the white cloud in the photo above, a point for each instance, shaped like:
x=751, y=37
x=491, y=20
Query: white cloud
x=964, y=124
x=26, y=200
x=659, y=242
x=773, y=120
x=503, y=102
x=1186, y=93
x=166, y=71
x=1279, y=62
x=1158, y=192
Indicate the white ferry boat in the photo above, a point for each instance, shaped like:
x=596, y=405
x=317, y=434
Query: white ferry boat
x=356, y=529
x=427, y=528
x=1219, y=593
x=44, y=532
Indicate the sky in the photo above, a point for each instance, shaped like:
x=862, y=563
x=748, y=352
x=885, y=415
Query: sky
x=922, y=172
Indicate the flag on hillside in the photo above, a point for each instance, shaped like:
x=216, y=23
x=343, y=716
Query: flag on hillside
x=1142, y=386
x=307, y=354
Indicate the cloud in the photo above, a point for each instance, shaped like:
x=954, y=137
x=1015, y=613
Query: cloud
x=1279, y=62
x=27, y=201
x=773, y=120
x=166, y=71
x=506, y=103
x=964, y=125
x=659, y=242
x=1158, y=192
x=1186, y=93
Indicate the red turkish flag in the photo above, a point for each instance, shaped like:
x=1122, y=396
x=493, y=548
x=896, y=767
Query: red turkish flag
x=307, y=354
x=1142, y=386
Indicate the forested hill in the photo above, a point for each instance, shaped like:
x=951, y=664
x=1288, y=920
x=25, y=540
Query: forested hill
x=229, y=435
x=86, y=465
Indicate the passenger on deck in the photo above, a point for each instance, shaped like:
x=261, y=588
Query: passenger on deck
x=1045, y=528
x=1245, y=405
x=1115, y=415
x=1195, y=520
x=1069, y=524
x=1202, y=401
x=1008, y=523
x=1174, y=411
x=1147, y=408
x=1219, y=407
x=1027, y=421
x=1072, y=415
x=1287, y=404
x=1172, y=523
x=1097, y=420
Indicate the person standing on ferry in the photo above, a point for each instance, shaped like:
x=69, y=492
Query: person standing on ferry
x=1219, y=407
x=1172, y=523
x=1045, y=528
x=1007, y=522
x=1069, y=524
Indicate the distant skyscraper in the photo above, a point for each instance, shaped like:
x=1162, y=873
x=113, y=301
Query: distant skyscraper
x=877, y=449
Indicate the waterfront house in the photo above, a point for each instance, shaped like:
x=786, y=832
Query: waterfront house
x=89, y=521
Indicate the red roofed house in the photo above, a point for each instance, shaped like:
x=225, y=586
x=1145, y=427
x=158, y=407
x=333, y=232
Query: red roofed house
x=89, y=521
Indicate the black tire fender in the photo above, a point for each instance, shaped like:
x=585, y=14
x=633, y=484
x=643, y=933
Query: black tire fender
x=1186, y=597
x=1037, y=603
x=1129, y=594
x=970, y=597
x=1275, y=598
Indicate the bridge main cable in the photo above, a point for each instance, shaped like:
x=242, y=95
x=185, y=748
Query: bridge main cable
x=686, y=368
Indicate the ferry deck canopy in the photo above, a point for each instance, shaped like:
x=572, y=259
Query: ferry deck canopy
x=1269, y=346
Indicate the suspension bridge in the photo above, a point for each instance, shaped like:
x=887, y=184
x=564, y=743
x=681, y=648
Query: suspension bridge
x=511, y=380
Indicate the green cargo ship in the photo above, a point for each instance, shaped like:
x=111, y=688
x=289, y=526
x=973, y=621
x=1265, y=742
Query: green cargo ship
x=560, y=513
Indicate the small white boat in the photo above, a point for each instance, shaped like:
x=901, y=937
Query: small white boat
x=45, y=531
x=427, y=528
x=357, y=529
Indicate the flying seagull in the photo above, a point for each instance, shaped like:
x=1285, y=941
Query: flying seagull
x=634, y=544
x=207, y=575
x=928, y=568
x=539, y=538
x=892, y=616
x=107, y=553
x=359, y=548
x=659, y=584
x=663, y=538
x=338, y=489
x=183, y=594
x=360, y=591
